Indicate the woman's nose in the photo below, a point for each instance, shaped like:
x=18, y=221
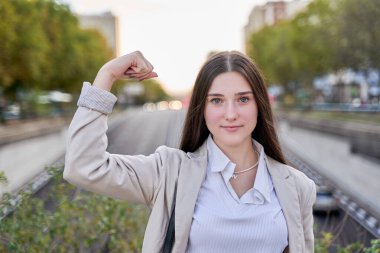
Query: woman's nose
x=231, y=112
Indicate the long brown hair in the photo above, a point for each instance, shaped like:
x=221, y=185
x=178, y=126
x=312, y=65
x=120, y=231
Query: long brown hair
x=195, y=131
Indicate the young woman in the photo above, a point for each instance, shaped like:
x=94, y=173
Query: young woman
x=232, y=189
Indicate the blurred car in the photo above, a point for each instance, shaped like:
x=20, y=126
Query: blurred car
x=12, y=112
x=162, y=105
x=175, y=105
x=325, y=201
x=149, y=107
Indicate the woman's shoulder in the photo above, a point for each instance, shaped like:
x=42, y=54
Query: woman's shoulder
x=172, y=154
x=169, y=151
x=166, y=151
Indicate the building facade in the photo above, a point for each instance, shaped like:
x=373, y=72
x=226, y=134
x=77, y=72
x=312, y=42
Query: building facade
x=270, y=13
x=107, y=24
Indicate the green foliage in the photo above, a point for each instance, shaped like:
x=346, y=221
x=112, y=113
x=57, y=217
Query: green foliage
x=327, y=36
x=72, y=221
x=3, y=178
x=296, y=50
x=324, y=244
x=153, y=91
x=375, y=247
x=358, y=32
x=42, y=47
x=312, y=39
x=266, y=48
x=355, y=247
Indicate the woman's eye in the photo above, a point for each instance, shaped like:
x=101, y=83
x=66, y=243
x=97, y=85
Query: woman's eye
x=244, y=99
x=216, y=100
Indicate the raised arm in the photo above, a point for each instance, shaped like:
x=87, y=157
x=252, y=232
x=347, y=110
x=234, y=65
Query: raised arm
x=87, y=163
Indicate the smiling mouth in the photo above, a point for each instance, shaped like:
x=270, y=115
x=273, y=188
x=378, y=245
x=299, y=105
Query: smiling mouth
x=231, y=128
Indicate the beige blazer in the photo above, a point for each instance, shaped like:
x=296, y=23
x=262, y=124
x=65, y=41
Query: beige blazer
x=151, y=180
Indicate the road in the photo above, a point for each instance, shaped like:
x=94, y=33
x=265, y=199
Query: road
x=141, y=132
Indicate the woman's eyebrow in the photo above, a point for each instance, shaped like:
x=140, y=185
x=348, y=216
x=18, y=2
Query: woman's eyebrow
x=236, y=94
x=243, y=93
x=215, y=95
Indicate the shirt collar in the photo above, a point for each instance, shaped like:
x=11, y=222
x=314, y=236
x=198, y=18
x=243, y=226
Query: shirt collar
x=219, y=162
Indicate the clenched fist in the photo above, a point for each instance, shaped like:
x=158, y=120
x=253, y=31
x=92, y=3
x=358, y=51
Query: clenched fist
x=133, y=65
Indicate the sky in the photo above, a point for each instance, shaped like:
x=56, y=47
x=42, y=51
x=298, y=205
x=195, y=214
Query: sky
x=175, y=36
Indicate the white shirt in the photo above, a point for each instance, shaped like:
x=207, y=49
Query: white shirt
x=223, y=222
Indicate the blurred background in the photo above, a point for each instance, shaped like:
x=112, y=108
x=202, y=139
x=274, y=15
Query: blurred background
x=321, y=61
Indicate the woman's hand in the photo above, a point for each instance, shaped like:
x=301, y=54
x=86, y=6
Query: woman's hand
x=133, y=65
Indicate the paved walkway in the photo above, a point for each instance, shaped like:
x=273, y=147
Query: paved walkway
x=27, y=147
x=15, y=131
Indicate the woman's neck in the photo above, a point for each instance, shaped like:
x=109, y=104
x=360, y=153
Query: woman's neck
x=243, y=155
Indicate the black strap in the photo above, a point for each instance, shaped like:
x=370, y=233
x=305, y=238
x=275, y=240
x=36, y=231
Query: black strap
x=169, y=239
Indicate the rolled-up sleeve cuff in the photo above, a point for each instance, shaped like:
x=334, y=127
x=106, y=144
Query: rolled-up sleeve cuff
x=96, y=99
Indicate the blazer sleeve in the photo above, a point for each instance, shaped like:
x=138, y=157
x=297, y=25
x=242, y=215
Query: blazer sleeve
x=90, y=166
x=308, y=193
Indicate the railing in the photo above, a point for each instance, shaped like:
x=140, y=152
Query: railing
x=37, y=183
x=353, y=207
x=346, y=107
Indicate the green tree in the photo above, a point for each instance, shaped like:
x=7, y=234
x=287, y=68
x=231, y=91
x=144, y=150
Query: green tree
x=43, y=48
x=296, y=51
x=8, y=39
x=153, y=91
x=313, y=39
x=76, y=54
x=26, y=49
x=326, y=37
x=359, y=34
x=271, y=49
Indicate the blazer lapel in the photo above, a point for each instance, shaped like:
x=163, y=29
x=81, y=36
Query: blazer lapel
x=190, y=180
x=286, y=191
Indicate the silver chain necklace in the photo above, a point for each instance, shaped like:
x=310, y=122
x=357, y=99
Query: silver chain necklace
x=236, y=173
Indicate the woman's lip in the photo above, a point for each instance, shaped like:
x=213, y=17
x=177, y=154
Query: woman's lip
x=231, y=128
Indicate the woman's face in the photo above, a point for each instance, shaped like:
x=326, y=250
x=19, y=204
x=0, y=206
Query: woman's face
x=231, y=110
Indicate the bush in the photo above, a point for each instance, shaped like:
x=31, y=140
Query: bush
x=324, y=244
x=72, y=220
x=68, y=219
